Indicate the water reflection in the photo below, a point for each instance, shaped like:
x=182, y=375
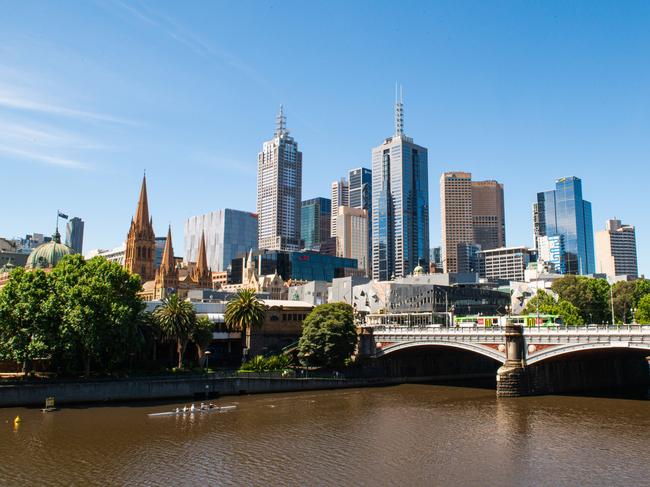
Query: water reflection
x=411, y=435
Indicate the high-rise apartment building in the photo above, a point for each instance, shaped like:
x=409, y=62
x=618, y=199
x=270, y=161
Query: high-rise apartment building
x=352, y=235
x=279, y=190
x=563, y=211
x=74, y=235
x=340, y=197
x=488, y=214
x=315, y=223
x=228, y=233
x=616, y=250
x=400, y=204
x=456, y=216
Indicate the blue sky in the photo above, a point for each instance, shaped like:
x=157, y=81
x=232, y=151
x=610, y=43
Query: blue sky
x=92, y=93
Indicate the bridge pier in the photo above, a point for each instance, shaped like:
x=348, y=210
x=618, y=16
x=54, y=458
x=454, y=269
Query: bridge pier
x=512, y=377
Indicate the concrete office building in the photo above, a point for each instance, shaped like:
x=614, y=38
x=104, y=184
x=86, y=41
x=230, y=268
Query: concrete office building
x=552, y=251
x=74, y=235
x=400, y=204
x=456, y=216
x=488, y=214
x=315, y=223
x=563, y=211
x=616, y=250
x=228, y=233
x=472, y=212
x=505, y=264
x=352, y=235
x=361, y=197
x=279, y=191
x=340, y=197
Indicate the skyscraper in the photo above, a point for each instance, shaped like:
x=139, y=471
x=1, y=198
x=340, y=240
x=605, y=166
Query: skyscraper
x=456, y=216
x=400, y=204
x=228, y=233
x=352, y=235
x=279, y=190
x=616, y=250
x=563, y=211
x=360, y=180
x=488, y=214
x=315, y=222
x=340, y=197
x=74, y=235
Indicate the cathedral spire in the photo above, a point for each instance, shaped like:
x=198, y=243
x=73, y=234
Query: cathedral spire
x=142, y=211
x=168, y=253
x=202, y=262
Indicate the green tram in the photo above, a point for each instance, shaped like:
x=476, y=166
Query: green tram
x=490, y=321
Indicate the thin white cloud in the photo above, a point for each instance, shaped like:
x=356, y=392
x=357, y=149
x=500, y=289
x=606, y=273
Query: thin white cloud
x=44, y=136
x=18, y=101
x=45, y=158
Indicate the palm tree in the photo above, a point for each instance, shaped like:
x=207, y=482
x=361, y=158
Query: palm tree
x=176, y=319
x=202, y=335
x=244, y=312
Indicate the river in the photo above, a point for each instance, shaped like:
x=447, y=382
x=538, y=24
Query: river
x=402, y=435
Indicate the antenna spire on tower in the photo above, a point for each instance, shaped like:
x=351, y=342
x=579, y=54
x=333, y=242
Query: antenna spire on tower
x=399, y=112
x=281, y=123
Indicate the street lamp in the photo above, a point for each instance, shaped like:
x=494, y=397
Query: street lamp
x=206, y=364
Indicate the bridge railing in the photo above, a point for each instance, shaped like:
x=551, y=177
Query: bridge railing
x=538, y=329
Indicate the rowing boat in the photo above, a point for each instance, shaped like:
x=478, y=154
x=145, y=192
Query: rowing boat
x=180, y=412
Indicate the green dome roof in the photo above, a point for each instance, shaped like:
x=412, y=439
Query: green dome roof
x=48, y=254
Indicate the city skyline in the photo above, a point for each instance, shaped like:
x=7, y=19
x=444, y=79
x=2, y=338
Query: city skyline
x=97, y=168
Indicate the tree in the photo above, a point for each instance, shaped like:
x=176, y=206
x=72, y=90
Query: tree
x=549, y=305
x=590, y=296
x=244, y=312
x=176, y=319
x=624, y=293
x=99, y=308
x=28, y=319
x=643, y=310
x=329, y=336
x=202, y=335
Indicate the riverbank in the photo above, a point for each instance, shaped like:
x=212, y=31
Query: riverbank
x=194, y=387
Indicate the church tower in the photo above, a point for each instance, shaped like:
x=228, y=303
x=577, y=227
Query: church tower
x=141, y=242
x=201, y=275
x=167, y=274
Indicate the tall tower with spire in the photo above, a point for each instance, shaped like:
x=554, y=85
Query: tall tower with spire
x=141, y=241
x=279, y=190
x=400, y=203
x=167, y=273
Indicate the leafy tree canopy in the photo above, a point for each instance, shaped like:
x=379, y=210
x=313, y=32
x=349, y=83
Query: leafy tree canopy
x=329, y=336
x=549, y=305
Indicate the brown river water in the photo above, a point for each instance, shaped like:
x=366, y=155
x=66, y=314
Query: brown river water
x=403, y=435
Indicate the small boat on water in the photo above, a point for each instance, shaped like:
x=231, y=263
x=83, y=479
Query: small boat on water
x=204, y=408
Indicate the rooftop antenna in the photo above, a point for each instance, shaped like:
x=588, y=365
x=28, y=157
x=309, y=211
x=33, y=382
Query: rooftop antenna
x=281, y=123
x=399, y=112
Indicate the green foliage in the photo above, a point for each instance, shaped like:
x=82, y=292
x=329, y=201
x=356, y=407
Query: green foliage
x=176, y=319
x=590, y=296
x=28, y=318
x=99, y=311
x=202, y=335
x=244, y=312
x=81, y=313
x=642, y=315
x=549, y=305
x=274, y=363
x=329, y=336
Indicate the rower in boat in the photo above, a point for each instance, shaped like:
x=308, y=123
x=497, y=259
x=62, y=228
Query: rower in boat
x=192, y=409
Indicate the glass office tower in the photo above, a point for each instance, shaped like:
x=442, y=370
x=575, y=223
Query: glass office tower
x=360, y=181
x=315, y=219
x=400, y=204
x=564, y=212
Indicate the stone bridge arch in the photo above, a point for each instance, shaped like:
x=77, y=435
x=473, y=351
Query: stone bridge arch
x=566, y=351
x=477, y=348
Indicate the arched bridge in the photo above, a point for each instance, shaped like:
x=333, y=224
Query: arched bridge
x=525, y=348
